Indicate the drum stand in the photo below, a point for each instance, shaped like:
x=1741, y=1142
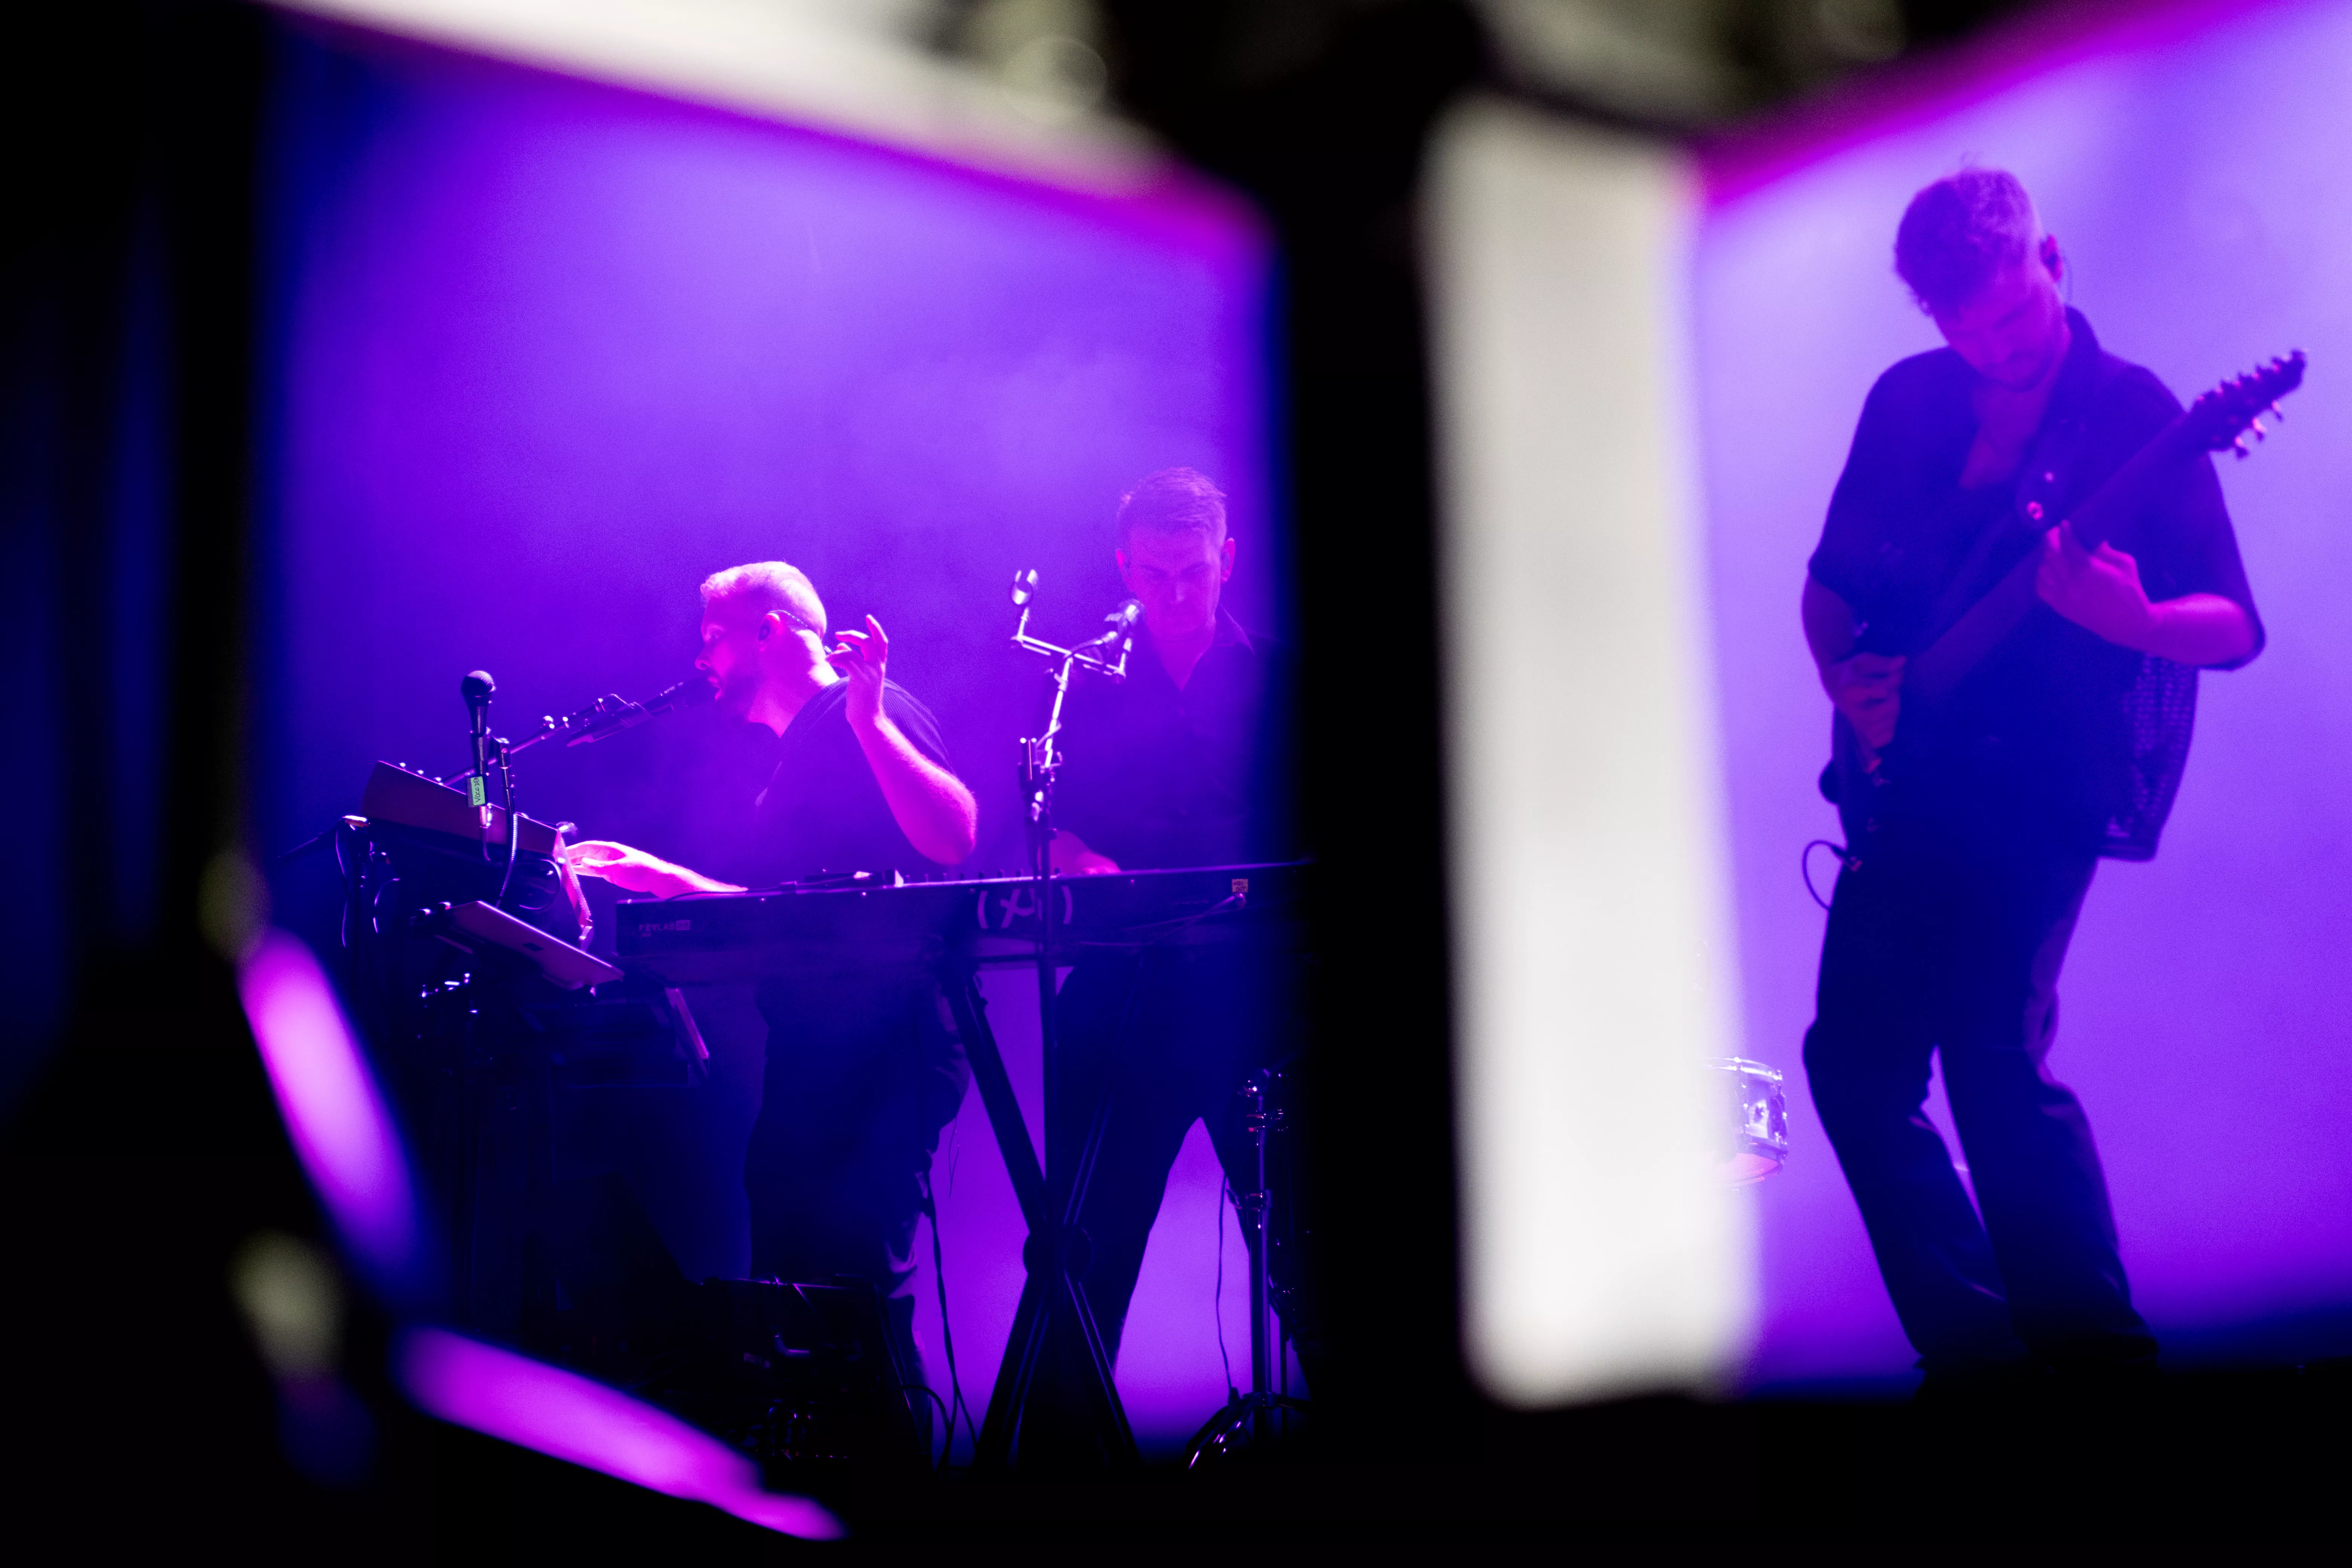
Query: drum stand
x=1252, y=1418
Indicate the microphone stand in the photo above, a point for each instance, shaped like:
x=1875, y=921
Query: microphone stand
x=1252, y=1417
x=1054, y=1291
x=490, y=751
x=477, y=689
x=502, y=753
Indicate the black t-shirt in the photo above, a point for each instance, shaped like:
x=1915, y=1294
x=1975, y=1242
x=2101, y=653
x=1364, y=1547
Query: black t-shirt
x=822, y=814
x=2040, y=733
x=1157, y=777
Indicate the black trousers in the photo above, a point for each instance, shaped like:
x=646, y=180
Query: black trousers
x=1161, y=1040
x=863, y=1074
x=1951, y=943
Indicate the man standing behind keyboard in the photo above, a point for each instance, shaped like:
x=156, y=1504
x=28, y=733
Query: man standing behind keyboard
x=862, y=1069
x=1184, y=765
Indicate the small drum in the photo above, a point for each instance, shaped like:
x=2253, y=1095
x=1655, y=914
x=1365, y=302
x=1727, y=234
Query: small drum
x=1758, y=1144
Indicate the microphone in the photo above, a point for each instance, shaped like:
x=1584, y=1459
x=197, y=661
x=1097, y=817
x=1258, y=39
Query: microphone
x=685, y=694
x=477, y=688
x=1121, y=622
x=1024, y=587
x=609, y=716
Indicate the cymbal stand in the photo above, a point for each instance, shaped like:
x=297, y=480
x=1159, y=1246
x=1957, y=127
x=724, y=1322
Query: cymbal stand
x=1251, y=1418
x=1054, y=1293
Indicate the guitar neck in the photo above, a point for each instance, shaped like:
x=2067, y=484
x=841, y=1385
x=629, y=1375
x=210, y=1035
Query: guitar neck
x=1939, y=667
x=2131, y=487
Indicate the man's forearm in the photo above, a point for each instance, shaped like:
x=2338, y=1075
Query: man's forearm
x=2198, y=629
x=930, y=804
x=690, y=880
x=679, y=879
x=1828, y=624
x=635, y=871
x=1832, y=630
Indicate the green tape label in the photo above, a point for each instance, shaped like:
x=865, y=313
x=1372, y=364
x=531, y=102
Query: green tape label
x=476, y=789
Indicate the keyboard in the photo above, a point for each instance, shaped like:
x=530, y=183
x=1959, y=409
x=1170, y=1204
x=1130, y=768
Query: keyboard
x=814, y=929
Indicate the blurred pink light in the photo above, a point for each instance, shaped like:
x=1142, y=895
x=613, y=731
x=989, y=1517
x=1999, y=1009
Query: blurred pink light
x=342, y=1133
x=1926, y=87
x=557, y=1413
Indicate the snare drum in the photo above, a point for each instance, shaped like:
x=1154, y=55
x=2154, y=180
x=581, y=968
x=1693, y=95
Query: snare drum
x=1759, y=1124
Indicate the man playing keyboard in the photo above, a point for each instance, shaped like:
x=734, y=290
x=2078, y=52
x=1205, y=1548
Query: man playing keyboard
x=863, y=1069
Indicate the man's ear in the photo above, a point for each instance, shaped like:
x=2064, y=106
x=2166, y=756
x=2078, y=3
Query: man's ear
x=2051, y=258
x=1226, y=575
x=771, y=622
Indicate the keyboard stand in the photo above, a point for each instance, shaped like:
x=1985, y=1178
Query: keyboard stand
x=1053, y=1299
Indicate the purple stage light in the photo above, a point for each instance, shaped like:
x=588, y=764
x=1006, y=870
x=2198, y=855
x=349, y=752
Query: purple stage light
x=342, y=1131
x=352, y=1153
x=1930, y=87
x=537, y=1406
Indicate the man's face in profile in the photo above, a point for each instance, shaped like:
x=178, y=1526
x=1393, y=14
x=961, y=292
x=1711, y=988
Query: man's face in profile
x=731, y=653
x=2012, y=329
x=1176, y=577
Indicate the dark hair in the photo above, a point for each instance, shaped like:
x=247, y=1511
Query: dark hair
x=1173, y=500
x=1959, y=232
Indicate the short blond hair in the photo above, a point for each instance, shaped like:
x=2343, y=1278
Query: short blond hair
x=1173, y=500
x=771, y=585
x=1961, y=231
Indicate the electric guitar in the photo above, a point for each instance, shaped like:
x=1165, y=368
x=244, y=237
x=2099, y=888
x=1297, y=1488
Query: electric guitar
x=1865, y=782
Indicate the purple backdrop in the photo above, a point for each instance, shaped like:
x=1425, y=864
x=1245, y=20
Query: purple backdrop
x=2196, y=175
x=545, y=353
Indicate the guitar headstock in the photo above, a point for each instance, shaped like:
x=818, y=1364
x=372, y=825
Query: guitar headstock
x=2227, y=416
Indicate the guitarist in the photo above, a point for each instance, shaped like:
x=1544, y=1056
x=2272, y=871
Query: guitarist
x=1971, y=844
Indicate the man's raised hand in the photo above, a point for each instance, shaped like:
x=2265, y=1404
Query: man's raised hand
x=863, y=658
x=929, y=804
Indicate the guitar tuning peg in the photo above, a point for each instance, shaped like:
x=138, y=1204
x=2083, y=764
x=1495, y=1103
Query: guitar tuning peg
x=2277, y=413
x=2240, y=446
x=2254, y=427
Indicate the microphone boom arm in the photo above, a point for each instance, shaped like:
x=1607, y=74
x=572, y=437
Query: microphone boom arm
x=608, y=716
